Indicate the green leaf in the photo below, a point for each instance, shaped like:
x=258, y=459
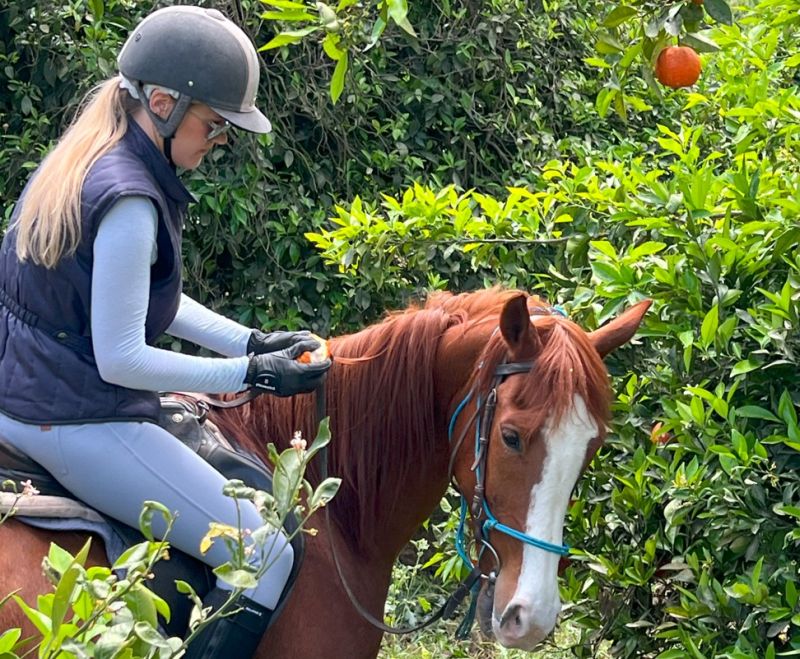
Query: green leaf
x=406, y=25
x=289, y=15
x=285, y=4
x=655, y=25
x=619, y=15
x=186, y=589
x=146, y=517
x=8, y=639
x=59, y=558
x=647, y=249
x=745, y=366
x=786, y=409
x=608, y=44
x=97, y=8
x=709, y=327
x=755, y=412
x=64, y=594
x=162, y=608
x=397, y=9
x=674, y=23
x=325, y=492
x=112, y=639
x=39, y=619
x=286, y=480
x=791, y=594
x=700, y=43
x=621, y=107
x=244, y=579
x=140, y=602
x=331, y=47
x=377, y=30
x=337, y=81
x=605, y=247
x=323, y=437
x=605, y=272
x=597, y=62
x=289, y=37
x=782, y=509
x=719, y=11
x=604, y=99
x=150, y=635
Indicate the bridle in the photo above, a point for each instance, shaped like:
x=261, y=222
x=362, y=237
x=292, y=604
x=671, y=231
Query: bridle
x=484, y=412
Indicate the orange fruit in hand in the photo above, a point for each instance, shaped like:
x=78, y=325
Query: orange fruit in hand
x=319, y=355
x=678, y=66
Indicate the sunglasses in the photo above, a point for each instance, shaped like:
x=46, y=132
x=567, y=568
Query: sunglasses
x=215, y=128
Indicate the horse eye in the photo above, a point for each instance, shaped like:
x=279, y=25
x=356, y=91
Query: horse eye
x=511, y=438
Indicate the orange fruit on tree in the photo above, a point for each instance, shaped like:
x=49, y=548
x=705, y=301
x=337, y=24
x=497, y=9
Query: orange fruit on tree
x=678, y=66
x=697, y=2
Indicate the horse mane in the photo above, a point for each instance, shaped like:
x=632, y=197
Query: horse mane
x=380, y=390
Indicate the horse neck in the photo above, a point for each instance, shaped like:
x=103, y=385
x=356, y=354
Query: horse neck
x=389, y=417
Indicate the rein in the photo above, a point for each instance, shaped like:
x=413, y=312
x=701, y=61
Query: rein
x=445, y=612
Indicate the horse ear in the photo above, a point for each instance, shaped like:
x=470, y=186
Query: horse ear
x=620, y=330
x=515, y=325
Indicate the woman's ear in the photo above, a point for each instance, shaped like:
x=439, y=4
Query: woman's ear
x=161, y=103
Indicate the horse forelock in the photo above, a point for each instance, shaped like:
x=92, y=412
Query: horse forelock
x=567, y=365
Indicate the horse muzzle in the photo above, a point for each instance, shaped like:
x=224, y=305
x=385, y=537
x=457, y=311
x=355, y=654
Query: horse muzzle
x=521, y=624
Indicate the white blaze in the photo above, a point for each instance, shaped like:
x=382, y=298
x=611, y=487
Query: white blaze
x=537, y=588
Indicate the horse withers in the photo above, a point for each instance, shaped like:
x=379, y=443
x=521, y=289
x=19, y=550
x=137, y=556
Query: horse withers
x=400, y=428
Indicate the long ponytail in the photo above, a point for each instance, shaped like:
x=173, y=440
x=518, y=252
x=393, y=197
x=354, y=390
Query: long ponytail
x=49, y=222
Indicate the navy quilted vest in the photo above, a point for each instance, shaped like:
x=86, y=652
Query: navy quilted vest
x=48, y=373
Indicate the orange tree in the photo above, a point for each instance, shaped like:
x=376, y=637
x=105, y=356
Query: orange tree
x=474, y=153
x=687, y=527
x=632, y=39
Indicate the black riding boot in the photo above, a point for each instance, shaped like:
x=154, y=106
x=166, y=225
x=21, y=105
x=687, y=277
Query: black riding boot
x=234, y=636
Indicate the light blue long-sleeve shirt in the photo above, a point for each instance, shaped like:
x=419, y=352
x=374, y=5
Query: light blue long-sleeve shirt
x=124, y=250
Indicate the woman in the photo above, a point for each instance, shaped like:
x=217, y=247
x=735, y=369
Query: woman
x=90, y=276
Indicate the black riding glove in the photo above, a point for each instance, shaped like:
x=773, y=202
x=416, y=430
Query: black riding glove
x=281, y=374
x=263, y=342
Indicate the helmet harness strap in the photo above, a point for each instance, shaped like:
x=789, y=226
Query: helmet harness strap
x=165, y=127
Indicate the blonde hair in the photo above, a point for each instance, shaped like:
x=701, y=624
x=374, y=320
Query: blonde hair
x=49, y=222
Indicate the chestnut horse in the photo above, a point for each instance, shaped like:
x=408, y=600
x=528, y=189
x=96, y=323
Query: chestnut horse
x=391, y=414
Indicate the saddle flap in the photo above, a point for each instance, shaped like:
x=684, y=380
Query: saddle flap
x=18, y=467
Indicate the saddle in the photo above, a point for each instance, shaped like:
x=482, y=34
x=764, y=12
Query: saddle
x=185, y=417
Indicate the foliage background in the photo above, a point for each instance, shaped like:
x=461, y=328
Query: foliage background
x=445, y=159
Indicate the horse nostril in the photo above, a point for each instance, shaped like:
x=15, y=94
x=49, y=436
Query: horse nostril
x=512, y=617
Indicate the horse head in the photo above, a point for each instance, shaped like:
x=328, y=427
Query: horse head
x=523, y=429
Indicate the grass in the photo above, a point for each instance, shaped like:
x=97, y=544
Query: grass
x=439, y=642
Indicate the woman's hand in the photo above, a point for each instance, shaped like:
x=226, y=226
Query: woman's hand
x=261, y=343
x=281, y=374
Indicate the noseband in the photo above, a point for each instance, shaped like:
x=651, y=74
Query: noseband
x=484, y=417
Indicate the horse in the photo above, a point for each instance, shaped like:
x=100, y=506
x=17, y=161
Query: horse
x=402, y=395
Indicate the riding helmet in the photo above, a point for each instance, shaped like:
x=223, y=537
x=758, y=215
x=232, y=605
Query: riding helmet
x=203, y=56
